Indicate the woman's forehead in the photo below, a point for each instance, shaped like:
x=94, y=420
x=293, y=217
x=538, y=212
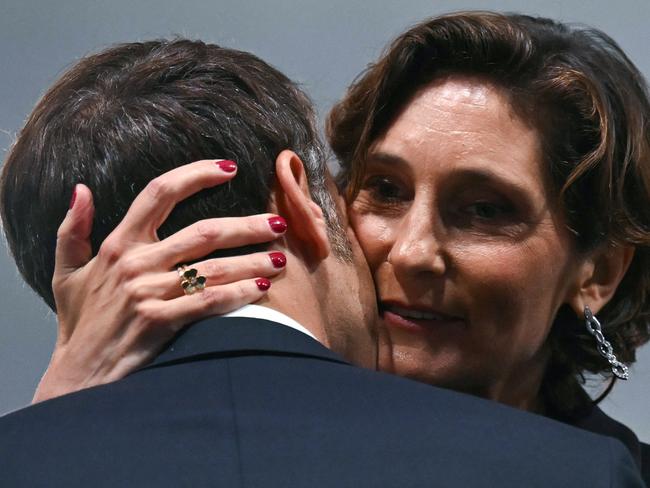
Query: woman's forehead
x=461, y=120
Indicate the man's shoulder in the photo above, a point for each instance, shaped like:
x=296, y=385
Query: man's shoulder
x=315, y=411
x=305, y=388
x=296, y=375
x=256, y=395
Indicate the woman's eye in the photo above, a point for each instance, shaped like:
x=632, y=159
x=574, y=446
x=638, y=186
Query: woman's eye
x=383, y=189
x=487, y=210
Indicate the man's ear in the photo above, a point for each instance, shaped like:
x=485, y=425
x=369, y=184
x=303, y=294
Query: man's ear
x=598, y=277
x=307, y=226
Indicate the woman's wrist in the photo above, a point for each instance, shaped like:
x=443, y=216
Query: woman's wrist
x=61, y=377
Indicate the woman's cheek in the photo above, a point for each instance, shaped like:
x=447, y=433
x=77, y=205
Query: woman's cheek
x=511, y=288
x=374, y=234
x=496, y=277
x=496, y=261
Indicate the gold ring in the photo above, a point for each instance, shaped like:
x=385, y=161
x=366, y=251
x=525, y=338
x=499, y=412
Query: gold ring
x=191, y=281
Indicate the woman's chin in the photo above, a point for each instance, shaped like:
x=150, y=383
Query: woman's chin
x=443, y=368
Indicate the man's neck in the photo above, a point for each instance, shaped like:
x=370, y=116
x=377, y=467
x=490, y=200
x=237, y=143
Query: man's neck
x=295, y=295
x=308, y=294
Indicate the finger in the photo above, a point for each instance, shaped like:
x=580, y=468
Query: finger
x=222, y=271
x=206, y=236
x=73, y=248
x=217, y=271
x=214, y=300
x=163, y=319
x=154, y=204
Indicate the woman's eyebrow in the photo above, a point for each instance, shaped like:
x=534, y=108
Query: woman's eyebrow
x=387, y=158
x=469, y=175
x=483, y=176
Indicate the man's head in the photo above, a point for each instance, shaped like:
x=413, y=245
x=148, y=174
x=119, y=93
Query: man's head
x=119, y=118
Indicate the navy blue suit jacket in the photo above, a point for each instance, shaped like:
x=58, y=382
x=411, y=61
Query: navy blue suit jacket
x=239, y=402
x=595, y=420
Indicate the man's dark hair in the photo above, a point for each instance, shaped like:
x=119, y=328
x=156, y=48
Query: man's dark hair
x=119, y=118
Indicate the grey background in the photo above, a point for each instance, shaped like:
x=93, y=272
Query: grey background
x=322, y=44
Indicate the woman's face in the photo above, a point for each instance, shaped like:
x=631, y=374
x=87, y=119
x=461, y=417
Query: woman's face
x=470, y=257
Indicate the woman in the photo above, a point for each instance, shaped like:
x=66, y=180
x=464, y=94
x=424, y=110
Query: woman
x=498, y=174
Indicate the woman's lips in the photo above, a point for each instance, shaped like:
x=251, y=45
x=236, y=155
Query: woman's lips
x=418, y=319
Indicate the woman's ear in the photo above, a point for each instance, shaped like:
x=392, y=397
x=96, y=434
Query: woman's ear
x=598, y=277
x=292, y=198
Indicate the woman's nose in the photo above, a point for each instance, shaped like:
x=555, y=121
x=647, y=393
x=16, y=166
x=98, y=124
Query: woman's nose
x=417, y=248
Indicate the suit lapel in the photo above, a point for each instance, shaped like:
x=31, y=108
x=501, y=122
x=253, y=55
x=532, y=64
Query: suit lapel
x=240, y=336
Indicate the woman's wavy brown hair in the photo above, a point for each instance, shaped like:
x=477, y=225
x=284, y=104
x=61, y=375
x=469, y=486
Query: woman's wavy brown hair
x=590, y=106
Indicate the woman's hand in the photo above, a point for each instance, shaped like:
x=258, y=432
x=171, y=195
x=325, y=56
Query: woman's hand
x=116, y=310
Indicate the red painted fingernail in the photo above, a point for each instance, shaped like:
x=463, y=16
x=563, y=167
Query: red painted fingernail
x=263, y=284
x=227, y=165
x=278, y=224
x=278, y=259
x=74, y=197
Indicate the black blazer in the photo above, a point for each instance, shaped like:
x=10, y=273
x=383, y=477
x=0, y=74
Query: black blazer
x=595, y=420
x=243, y=402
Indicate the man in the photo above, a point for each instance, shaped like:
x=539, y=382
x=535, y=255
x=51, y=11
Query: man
x=254, y=398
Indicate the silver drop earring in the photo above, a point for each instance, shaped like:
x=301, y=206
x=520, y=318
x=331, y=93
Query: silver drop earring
x=604, y=347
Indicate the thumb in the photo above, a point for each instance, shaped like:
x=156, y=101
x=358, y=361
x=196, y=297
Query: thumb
x=73, y=248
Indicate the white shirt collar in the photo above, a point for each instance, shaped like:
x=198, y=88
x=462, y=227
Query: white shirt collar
x=265, y=313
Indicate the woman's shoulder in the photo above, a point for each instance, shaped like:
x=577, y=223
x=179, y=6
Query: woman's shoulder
x=597, y=421
x=645, y=462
